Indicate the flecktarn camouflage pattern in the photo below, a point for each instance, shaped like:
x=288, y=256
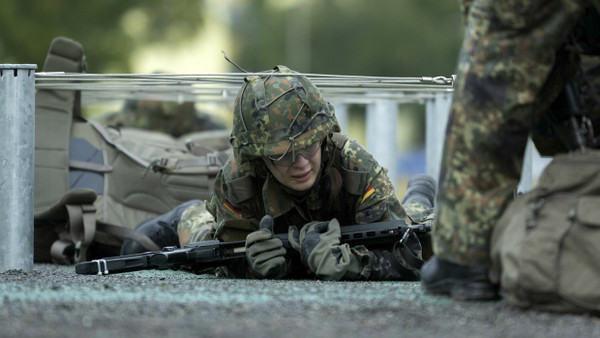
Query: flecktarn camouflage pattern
x=375, y=202
x=507, y=57
x=279, y=112
x=196, y=224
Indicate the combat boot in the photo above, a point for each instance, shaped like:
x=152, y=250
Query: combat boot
x=440, y=277
x=161, y=229
x=421, y=189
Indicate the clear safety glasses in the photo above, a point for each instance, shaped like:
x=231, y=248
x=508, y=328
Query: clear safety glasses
x=289, y=157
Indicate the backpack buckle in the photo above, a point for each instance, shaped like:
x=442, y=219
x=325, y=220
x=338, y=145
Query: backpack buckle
x=212, y=159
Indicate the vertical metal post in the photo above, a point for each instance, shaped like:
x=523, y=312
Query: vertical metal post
x=341, y=113
x=437, y=111
x=17, y=106
x=381, y=134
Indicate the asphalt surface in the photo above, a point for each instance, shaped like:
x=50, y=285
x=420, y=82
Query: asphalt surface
x=53, y=301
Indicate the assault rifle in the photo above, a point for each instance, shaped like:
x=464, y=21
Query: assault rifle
x=202, y=255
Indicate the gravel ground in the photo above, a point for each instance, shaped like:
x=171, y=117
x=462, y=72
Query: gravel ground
x=53, y=301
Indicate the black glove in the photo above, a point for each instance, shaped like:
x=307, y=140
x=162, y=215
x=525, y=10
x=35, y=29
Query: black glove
x=264, y=252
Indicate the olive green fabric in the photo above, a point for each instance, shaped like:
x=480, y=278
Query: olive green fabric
x=509, y=70
x=53, y=120
x=149, y=174
x=89, y=177
x=264, y=252
x=279, y=112
x=544, y=249
x=319, y=245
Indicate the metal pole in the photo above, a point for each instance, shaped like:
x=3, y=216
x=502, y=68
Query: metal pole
x=341, y=113
x=381, y=134
x=17, y=106
x=437, y=111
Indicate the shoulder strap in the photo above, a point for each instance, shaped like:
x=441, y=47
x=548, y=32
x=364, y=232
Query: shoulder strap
x=54, y=110
x=339, y=140
x=126, y=233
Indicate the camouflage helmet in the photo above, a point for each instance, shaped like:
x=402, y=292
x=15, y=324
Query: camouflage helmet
x=279, y=111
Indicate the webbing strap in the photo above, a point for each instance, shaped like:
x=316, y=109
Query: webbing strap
x=90, y=166
x=73, y=244
x=82, y=227
x=59, y=251
x=207, y=160
x=124, y=233
x=339, y=140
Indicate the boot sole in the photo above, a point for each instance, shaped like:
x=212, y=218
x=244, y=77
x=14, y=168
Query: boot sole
x=459, y=290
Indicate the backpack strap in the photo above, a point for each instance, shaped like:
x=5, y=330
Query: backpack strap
x=339, y=140
x=126, y=233
x=75, y=216
x=54, y=110
x=73, y=210
x=66, y=249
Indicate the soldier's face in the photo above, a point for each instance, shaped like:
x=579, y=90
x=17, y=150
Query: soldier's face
x=301, y=174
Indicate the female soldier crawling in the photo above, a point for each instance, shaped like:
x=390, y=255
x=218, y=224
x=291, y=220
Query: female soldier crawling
x=291, y=172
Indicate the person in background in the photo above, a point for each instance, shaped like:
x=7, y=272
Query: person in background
x=172, y=118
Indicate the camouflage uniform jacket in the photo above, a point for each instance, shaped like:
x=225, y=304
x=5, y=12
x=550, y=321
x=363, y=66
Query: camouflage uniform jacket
x=244, y=193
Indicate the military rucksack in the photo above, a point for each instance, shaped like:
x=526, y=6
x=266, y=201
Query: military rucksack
x=545, y=250
x=94, y=184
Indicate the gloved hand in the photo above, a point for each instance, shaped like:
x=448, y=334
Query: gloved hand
x=319, y=246
x=264, y=252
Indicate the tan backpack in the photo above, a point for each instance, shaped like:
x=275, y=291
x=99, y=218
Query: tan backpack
x=545, y=249
x=94, y=184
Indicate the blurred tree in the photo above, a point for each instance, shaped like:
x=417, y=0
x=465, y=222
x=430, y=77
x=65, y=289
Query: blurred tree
x=383, y=37
x=109, y=29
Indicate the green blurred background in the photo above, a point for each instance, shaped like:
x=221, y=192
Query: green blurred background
x=377, y=37
x=400, y=38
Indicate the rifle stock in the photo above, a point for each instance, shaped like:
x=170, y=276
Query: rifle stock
x=206, y=254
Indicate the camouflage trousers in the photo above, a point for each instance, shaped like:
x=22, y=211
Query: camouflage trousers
x=196, y=224
x=507, y=55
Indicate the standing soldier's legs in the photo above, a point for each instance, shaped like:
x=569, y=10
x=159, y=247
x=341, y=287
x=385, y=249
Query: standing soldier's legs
x=505, y=60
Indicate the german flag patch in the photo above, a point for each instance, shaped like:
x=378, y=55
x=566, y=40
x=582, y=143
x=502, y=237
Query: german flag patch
x=369, y=192
x=229, y=207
